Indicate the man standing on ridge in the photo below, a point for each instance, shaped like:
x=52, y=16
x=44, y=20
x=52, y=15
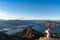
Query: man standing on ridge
x=48, y=32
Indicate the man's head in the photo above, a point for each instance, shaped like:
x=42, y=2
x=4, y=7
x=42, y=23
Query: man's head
x=49, y=26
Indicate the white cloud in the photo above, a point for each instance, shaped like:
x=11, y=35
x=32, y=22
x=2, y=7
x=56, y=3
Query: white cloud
x=3, y=14
x=6, y=15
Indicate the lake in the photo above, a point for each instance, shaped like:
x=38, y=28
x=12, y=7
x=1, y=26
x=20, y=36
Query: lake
x=36, y=27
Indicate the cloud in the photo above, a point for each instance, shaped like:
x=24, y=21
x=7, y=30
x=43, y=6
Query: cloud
x=6, y=15
x=3, y=14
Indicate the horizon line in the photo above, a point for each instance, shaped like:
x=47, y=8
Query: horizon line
x=29, y=19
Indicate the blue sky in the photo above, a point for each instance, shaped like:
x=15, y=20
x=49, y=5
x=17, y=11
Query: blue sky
x=30, y=9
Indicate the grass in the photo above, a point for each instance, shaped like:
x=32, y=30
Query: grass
x=54, y=35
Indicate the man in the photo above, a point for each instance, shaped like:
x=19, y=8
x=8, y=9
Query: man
x=48, y=32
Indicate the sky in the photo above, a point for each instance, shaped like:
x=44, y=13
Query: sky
x=30, y=9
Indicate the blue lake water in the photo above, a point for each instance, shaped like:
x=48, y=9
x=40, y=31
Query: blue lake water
x=36, y=27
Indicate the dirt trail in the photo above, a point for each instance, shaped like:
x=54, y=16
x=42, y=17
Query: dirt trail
x=49, y=38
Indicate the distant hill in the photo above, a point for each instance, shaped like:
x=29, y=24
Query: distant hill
x=5, y=24
x=12, y=23
x=23, y=22
x=54, y=24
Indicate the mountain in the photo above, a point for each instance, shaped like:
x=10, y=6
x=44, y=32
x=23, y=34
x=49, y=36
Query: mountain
x=54, y=24
x=26, y=34
x=13, y=24
x=4, y=36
